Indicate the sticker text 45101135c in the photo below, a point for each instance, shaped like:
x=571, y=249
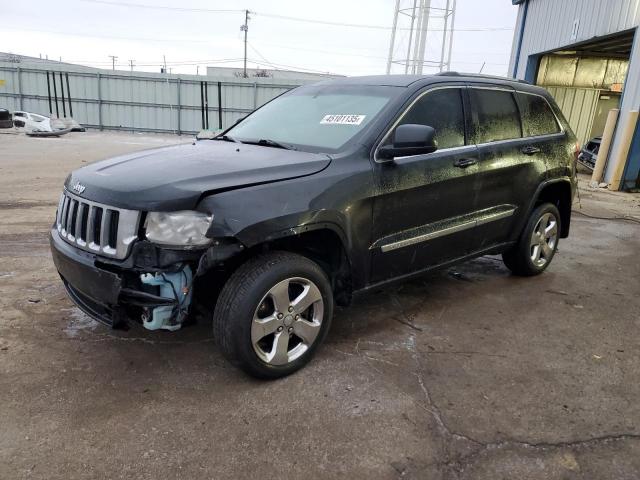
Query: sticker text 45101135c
x=342, y=119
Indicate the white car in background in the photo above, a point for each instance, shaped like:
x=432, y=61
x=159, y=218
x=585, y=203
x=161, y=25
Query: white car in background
x=36, y=125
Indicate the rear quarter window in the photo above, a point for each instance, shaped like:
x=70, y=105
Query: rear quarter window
x=537, y=116
x=496, y=115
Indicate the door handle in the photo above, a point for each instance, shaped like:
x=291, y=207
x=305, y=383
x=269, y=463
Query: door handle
x=530, y=150
x=464, y=162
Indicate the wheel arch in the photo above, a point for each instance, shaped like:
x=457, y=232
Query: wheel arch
x=559, y=193
x=323, y=243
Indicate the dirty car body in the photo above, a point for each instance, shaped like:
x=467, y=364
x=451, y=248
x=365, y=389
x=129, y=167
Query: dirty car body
x=154, y=236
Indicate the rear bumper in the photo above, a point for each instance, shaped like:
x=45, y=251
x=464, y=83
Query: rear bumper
x=94, y=290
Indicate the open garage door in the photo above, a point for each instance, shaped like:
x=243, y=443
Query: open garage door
x=587, y=80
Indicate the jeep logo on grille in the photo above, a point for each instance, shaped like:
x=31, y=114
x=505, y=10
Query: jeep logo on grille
x=78, y=188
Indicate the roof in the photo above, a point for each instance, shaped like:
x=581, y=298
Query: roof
x=25, y=60
x=408, y=80
x=381, y=80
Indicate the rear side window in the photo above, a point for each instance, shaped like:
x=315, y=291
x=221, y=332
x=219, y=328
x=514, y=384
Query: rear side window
x=537, y=117
x=497, y=116
x=442, y=110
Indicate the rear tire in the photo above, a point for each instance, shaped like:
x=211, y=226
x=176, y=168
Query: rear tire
x=273, y=313
x=537, y=244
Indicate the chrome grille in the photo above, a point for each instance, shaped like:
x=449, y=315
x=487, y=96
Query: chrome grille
x=97, y=228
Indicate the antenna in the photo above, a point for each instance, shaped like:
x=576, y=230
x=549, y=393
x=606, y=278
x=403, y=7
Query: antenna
x=421, y=36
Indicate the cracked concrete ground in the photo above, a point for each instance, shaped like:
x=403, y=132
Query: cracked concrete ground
x=465, y=374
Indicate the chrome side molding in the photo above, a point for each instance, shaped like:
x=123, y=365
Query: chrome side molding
x=442, y=228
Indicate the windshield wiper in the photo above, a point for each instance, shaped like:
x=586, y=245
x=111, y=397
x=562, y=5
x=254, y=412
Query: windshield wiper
x=226, y=138
x=267, y=142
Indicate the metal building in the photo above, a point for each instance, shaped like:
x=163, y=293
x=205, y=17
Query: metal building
x=277, y=74
x=587, y=53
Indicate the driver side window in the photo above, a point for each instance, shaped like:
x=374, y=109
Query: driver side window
x=442, y=110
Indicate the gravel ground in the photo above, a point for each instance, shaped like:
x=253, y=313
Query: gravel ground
x=466, y=374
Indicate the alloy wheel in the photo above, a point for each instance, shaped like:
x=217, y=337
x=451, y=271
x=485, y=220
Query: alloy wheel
x=287, y=321
x=544, y=239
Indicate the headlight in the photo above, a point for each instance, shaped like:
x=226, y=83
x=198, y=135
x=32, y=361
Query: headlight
x=184, y=228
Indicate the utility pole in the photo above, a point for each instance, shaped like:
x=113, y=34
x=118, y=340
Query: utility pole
x=131, y=64
x=164, y=61
x=113, y=61
x=245, y=28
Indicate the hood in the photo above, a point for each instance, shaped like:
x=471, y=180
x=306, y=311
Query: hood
x=174, y=178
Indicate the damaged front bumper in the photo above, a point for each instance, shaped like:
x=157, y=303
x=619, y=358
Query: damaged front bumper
x=152, y=285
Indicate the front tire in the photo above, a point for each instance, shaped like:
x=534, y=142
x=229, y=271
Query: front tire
x=537, y=244
x=273, y=313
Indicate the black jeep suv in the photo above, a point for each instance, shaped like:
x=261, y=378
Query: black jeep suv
x=330, y=189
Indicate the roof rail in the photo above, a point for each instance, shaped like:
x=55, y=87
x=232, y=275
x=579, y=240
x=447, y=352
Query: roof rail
x=480, y=75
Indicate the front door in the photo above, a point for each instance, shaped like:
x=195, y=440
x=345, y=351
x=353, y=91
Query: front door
x=421, y=216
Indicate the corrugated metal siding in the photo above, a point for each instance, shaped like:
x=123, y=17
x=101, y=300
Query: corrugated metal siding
x=136, y=101
x=548, y=27
x=549, y=23
x=578, y=105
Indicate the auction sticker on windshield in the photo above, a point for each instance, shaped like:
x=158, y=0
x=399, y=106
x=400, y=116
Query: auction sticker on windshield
x=343, y=119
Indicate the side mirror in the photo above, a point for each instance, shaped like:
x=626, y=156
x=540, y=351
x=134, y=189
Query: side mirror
x=410, y=139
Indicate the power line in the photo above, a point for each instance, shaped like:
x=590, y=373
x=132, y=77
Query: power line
x=150, y=63
x=294, y=67
x=377, y=57
x=276, y=66
x=338, y=53
x=284, y=17
x=357, y=55
x=259, y=54
x=375, y=27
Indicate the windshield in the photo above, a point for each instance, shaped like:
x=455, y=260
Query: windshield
x=321, y=118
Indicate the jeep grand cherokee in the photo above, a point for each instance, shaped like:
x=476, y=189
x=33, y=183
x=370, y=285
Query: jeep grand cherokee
x=328, y=190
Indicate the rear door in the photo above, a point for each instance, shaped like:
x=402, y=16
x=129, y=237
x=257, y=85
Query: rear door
x=510, y=167
x=544, y=140
x=419, y=214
